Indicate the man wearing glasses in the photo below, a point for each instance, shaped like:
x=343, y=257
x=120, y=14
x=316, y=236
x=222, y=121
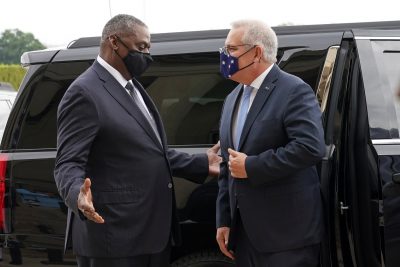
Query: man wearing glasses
x=269, y=210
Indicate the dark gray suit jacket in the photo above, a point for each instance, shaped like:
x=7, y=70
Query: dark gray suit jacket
x=279, y=203
x=103, y=135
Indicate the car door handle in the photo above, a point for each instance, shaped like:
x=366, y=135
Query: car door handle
x=343, y=208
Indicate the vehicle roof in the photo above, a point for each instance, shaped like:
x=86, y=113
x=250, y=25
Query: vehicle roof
x=280, y=30
x=208, y=41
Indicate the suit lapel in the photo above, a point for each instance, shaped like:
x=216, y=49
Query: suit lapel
x=120, y=95
x=259, y=101
x=229, y=111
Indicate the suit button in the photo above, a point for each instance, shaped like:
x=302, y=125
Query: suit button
x=170, y=185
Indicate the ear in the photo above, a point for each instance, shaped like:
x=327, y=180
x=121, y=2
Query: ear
x=259, y=53
x=113, y=42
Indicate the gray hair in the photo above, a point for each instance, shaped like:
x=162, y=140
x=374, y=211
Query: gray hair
x=258, y=33
x=121, y=24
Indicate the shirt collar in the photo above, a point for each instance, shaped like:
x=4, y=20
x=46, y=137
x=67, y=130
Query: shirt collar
x=260, y=79
x=118, y=76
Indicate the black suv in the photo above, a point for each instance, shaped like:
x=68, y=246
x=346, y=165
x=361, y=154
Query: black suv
x=354, y=70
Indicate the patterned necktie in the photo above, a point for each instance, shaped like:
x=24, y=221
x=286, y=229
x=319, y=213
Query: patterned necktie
x=242, y=114
x=133, y=93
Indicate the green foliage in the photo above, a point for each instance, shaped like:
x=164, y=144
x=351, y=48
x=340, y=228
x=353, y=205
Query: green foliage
x=13, y=43
x=12, y=74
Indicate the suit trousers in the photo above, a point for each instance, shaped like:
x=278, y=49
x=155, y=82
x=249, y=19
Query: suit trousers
x=160, y=259
x=247, y=256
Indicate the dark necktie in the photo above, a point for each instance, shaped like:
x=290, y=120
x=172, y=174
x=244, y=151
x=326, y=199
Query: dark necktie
x=242, y=114
x=133, y=93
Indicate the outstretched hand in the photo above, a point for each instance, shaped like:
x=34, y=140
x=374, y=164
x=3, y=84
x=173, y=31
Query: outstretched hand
x=85, y=203
x=214, y=160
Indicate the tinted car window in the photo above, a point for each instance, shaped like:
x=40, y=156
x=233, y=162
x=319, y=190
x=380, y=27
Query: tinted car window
x=380, y=65
x=305, y=64
x=38, y=122
x=187, y=89
x=390, y=59
x=189, y=92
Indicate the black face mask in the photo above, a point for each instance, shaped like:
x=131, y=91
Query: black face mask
x=136, y=62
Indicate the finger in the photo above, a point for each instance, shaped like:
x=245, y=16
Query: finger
x=93, y=216
x=232, y=152
x=98, y=218
x=86, y=186
x=87, y=183
x=222, y=246
x=227, y=253
x=219, y=143
x=216, y=160
x=85, y=203
x=231, y=255
x=86, y=206
x=216, y=147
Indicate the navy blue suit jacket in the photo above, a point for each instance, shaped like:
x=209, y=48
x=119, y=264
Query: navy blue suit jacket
x=279, y=203
x=103, y=135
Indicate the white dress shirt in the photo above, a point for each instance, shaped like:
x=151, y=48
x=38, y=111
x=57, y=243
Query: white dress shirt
x=118, y=76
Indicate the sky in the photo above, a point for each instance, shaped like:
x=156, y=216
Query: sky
x=58, y=22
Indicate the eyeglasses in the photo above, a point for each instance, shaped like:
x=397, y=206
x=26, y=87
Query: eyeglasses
x=229, y=49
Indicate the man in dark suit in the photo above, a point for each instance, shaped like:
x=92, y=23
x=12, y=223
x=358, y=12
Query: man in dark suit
x=271, y=135
x=109, y=130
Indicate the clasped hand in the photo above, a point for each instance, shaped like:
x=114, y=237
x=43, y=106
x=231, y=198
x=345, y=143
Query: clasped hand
x=236, y=164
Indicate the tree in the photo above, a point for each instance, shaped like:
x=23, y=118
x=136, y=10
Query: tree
x=13, y=43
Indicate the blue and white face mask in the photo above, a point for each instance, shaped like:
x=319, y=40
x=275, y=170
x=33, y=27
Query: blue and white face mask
x=229, y=64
